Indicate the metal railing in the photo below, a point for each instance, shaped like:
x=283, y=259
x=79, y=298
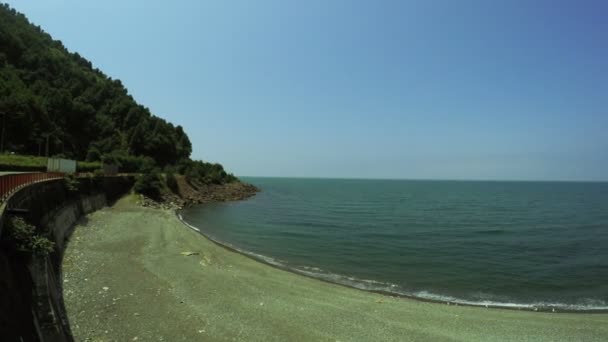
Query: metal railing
x=14, y=181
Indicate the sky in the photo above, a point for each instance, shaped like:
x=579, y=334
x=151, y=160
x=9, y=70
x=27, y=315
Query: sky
x=502, y=90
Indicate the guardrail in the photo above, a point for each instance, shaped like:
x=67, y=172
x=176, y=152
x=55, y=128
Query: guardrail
x=14, y=181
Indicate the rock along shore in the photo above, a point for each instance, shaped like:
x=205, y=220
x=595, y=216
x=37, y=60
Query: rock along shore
x=189, y=194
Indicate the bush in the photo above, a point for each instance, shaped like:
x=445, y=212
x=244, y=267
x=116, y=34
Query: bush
x=128, y=163
x=41, y=245
x=171, y=182
x=231, y=178
x=93, y=155
x=71, y=183
x=206, y=173
x=26, y=238
x=21, y=232
x=170, y=169
x=88, y=166
x=149, y=184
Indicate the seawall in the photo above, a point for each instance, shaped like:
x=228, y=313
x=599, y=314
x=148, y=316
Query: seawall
x=31, y=302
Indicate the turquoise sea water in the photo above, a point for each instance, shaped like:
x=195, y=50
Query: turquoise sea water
x=514, y=244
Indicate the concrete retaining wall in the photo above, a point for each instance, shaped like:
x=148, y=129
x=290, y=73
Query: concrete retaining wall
x=31, y=296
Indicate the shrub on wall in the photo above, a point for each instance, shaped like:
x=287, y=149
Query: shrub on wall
x=26, y=238
x=71, y=183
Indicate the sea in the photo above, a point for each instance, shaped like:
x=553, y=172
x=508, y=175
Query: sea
x=522, y=245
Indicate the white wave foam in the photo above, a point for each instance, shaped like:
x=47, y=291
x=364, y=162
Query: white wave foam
x=179, y=216
x=264, y=258
x=389, y=288
x=594, y=305
x=362, y=284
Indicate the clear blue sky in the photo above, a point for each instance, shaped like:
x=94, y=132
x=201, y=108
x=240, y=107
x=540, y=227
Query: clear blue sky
x=372, y=89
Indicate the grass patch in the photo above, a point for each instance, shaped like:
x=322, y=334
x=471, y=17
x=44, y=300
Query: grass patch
x=83, y=166
x=14, y=162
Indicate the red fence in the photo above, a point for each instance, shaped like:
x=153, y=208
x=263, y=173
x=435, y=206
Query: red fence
x=11, y=182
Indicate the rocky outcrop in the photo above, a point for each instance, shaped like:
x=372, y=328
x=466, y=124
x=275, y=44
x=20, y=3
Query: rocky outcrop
x=193, y=193
x=188, y=194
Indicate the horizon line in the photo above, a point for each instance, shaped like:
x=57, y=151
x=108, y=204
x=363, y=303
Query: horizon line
x=433, y=179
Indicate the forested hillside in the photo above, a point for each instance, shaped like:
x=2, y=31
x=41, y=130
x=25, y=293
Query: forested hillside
x=55, y=103
x=48, y=93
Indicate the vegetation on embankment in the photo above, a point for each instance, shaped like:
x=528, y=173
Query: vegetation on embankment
x=14, y=162
x=178, y=190
x=24, y=237
x=187, y=183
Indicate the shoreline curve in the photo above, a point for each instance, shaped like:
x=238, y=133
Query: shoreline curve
x=456, y=302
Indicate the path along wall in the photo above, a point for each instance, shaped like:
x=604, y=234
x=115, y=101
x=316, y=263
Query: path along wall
x=31, y=300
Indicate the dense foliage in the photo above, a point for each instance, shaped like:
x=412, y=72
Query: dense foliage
x=26, y=238
x=150, y=184
x=206, y=173
x=54, y=102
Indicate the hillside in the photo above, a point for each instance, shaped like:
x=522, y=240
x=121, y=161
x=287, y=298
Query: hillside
x=46, y=91
x=53, y=102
